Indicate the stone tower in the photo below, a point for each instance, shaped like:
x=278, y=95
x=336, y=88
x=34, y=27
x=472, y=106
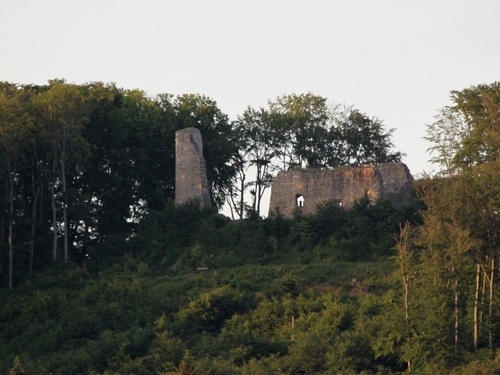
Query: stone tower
x=304, y=189
x=190, y=168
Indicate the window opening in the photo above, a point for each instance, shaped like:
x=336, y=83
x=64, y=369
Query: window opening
x=299, y=199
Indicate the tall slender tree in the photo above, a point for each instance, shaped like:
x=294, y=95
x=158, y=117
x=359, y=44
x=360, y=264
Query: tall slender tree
x=64, y=113
x=12, y=145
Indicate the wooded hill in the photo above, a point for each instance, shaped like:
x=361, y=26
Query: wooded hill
x=83, y=164
x=103, y=274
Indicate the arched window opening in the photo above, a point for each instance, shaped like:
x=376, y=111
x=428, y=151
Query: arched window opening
x=299, y=200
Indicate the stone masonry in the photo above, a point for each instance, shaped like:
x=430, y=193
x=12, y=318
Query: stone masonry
x=190, y=168
x=304, y=189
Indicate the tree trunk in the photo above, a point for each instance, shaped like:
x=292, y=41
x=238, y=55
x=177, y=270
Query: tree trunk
x=54, y=214
x=490, y=306
x=65, y=208
x=11, y=229
x=36, y=195
x=32, y=239
x=404, y=252
x=259, y=195
x=11, y=255
x=406, y=281
x=482, y=298
x=2, y=237
x=241, y=211
x=476, y=306
x=456, y=326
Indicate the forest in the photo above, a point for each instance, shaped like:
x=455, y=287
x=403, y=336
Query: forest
x=101, y=273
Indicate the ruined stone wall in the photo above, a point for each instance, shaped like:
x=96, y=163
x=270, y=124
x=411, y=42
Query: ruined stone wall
x=190, y=168
x=397, y=183
x=392, y=181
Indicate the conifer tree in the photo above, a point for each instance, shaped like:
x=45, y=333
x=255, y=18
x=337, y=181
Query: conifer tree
x=17, y=368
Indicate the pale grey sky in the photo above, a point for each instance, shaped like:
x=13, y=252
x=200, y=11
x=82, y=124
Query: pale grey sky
x=397, y=60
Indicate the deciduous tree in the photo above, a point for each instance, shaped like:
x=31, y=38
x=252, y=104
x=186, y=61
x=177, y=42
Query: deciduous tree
x=258, y=150
x=466, y=143
x=63, y=113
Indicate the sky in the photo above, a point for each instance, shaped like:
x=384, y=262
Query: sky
x=395, y=60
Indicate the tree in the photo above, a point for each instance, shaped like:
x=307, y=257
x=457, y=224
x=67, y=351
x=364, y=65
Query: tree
x=18, y=166
x=17, y=367
x=406, y=259
x=310, y=134
x=359, y=139
x=208, y=311
x=31, y=179
x=446, y=249
x=11, y=139
x=479, y=106
x=235, y=195
x=466, y=141
x=151, y=147
x=299, y=123
x=104, y=184
x=446, y=134
x=130, y=170
x=186, y=366
x=258, y=151
x=63, y=112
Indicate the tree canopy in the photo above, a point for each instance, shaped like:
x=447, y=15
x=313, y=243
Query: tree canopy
x=82, y=164
x=303, y=131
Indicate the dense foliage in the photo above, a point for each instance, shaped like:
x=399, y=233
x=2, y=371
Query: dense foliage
x=83, y=165
x=149, y=287
x=194, y=290
x=449, y=264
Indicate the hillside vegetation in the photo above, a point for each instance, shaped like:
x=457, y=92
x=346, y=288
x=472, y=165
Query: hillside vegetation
x=101, y=273
x=195, y=293
x=242, y=297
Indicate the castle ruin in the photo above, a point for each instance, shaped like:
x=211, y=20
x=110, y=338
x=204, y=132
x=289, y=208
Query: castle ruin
x=191, y=181
x=304, y=189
